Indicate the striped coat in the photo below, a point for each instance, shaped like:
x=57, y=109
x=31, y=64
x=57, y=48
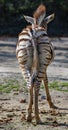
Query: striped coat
x=25, y=51
x=34, y=53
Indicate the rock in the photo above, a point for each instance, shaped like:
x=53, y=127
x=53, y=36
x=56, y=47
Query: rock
x=16, y=93
x=23, y=101
x=43, y=97
x=7, y=120
x=23, y=117
x=10, y=115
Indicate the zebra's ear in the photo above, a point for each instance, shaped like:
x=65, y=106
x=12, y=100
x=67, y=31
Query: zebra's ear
x=29, y=19
x=49, y=18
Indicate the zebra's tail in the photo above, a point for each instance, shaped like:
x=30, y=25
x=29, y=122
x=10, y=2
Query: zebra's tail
x=35, y=61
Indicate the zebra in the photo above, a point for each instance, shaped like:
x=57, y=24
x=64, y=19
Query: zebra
x=35, y=52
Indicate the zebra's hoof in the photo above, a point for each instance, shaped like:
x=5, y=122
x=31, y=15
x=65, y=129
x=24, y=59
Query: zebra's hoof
x=38, y=121
x=28, y=118
x=53, y=106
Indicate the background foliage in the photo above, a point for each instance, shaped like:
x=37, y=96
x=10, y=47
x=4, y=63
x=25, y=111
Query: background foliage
x=12, y=21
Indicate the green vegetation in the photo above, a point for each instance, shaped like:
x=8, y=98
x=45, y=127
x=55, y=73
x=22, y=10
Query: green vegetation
x=14, y=85
x=12, y=21
x=61, y=86
x=9, y=85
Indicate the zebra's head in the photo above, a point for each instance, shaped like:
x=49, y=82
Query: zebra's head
x=39, y=14
x=43, y=22
x=39, y=17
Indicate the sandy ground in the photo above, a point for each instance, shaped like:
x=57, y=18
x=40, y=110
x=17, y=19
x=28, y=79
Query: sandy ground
x=13, y=112
x=13, y=105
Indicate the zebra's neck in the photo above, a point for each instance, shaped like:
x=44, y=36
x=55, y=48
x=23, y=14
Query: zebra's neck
x=38, y=31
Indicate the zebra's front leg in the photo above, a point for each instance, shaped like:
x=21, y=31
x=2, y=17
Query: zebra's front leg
x=36, y=110
x=30, y=103
x=48, y=93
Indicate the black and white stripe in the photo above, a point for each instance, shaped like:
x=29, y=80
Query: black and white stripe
x=25, y=52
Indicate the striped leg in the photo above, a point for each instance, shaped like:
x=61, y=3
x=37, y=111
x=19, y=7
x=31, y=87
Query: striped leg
x=30, y=99
x=30, y=103
x=48, y=93
x=36, y=93
x=27, y=77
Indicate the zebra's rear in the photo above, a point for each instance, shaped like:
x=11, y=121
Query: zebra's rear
x=45, y=52
x=24, y=52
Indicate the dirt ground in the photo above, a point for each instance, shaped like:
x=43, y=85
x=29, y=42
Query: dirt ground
x=13, y=105
x=13, y=112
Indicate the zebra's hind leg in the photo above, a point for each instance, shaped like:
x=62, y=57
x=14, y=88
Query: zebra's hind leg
x=27, y=77
x=30, y=103
x=36, y=110
x=48, y=93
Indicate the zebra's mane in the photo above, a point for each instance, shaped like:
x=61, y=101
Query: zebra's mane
x=39, y=11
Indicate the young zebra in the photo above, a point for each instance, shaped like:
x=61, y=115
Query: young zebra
x=34, y=53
